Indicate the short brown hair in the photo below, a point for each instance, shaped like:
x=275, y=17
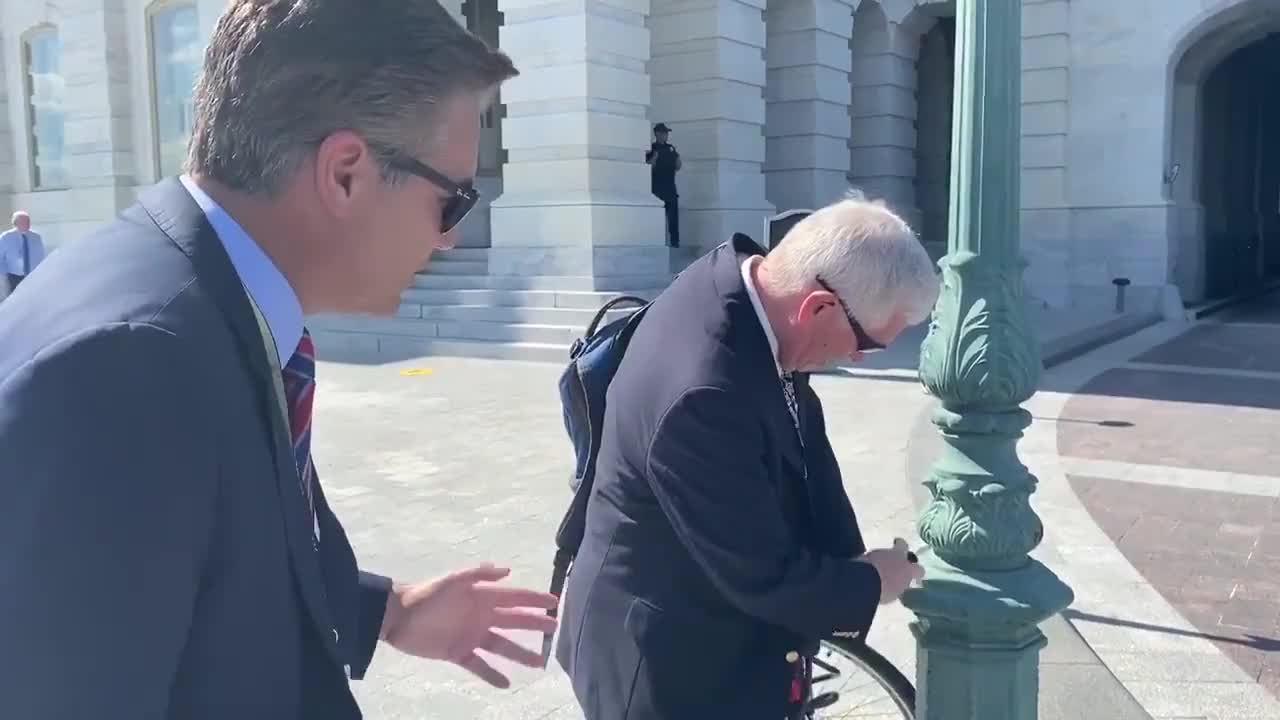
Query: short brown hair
x=280, y=76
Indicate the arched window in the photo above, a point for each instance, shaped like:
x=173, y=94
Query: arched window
x=46, y=108
x=174, y=36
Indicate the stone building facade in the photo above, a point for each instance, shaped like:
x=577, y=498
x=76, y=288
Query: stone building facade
x=1150, y=149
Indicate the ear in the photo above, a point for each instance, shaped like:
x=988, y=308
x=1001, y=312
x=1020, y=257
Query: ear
x=817, y=302
x=344, y=171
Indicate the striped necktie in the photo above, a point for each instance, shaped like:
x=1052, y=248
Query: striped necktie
x=789, y=390
x=300, y=391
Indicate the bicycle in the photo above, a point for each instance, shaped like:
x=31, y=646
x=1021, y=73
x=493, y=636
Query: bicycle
x=881, y=691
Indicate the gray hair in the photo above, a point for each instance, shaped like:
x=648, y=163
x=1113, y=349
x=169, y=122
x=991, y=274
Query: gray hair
x=867, y=254
x=280, y=76
x=19, y=215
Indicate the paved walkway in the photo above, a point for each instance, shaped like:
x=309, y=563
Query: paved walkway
x=466, y=460
x=437, y=463
x=1168, y=445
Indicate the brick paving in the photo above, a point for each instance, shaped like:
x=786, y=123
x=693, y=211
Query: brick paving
x=1214, y=556
x=1209, y=422
x=1212, y=553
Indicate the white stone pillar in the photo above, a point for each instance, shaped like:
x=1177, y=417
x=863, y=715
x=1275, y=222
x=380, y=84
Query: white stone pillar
x=9, y=168
x=708, y=85
x=99, y=136
x=882, y=140
x=807, y=133
x=576, y=197
x=1055, y=260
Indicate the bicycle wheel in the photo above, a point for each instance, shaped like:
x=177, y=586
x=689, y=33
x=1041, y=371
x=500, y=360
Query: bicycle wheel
x=850, y=680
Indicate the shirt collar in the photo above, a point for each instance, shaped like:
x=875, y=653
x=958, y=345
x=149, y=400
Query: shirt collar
x=754, y=294
x=263, y=281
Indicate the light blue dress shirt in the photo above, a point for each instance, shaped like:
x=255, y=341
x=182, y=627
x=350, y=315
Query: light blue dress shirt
x=264, y=281
x=11, y=256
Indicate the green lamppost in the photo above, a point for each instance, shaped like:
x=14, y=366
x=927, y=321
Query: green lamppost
x=979, y=610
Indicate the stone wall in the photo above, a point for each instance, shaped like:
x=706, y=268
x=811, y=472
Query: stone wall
x=1103, y=114
x=1124, y=219
x=1046, y=219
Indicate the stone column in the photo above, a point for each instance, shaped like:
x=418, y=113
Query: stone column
x=708, y=85
x=95, y=62
x=576, y=197
x=983, y=596
x=882, y=141
x=807, y=133
x=1046, y=131
x=9, y=168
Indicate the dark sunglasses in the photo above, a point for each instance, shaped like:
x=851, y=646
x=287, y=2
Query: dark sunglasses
x=462, y=196
x=866, y=343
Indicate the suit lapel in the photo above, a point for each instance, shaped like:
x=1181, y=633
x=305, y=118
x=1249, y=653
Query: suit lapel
x=749, y=338
x=177, y=214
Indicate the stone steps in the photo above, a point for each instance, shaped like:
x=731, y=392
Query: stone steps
x=460, y=254
x=459, y=267
x=456, y=308
x=568, y=299
x=435, y=280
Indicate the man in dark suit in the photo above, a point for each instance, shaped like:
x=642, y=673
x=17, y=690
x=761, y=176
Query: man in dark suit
x=720, y=544
x=166, y=549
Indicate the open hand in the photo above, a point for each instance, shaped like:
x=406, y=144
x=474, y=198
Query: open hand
x=897, y=568
x=453, y=617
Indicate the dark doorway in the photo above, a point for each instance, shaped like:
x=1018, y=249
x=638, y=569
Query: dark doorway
x=1240, y=184
x=935, y=74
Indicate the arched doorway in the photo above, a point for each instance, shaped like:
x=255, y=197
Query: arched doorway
x=902, y=90
x=1240, y=168
x=935, y=73
x=1224, y=167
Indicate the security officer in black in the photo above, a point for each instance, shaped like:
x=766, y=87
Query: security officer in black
x=664, y=162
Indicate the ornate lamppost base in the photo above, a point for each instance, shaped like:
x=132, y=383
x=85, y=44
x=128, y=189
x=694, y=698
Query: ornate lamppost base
x=978, y=639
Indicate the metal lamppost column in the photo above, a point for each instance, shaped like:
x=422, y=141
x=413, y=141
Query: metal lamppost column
x=979, y=610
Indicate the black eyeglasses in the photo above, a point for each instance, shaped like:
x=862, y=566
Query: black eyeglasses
x=462, y=196
x=866, y=343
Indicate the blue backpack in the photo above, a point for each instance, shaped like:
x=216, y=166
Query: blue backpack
x=593, y=360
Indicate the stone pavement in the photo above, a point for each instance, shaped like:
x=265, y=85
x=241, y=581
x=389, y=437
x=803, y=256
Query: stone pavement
x=438, y=463
x=1168, y=444
x=468, y=462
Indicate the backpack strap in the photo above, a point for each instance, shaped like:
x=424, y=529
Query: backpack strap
x=599, y=316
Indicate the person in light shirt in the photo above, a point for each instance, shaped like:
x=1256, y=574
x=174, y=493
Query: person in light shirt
x=21, y=250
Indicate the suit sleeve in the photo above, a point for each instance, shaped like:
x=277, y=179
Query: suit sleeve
x=109, y=483
x=705, y=468
x=374, y=590
x=358, y=599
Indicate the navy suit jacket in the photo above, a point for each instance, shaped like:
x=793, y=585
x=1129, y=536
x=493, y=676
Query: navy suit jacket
x=156, y=555
x=709, y=555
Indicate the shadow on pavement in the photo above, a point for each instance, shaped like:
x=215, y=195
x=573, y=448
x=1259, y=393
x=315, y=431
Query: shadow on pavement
x=1256, y=642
